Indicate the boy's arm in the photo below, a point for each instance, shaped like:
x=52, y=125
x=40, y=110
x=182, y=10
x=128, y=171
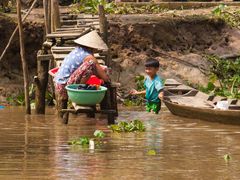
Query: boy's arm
x=135, y=92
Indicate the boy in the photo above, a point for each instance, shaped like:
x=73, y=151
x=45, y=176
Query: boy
x=153, y=85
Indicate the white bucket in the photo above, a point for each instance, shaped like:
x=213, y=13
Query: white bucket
x=222, y=105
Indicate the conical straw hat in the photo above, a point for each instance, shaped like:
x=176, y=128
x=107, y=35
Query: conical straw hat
x=92, y=40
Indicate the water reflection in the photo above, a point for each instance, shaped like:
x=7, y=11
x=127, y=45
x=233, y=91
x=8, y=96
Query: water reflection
x=35, y=147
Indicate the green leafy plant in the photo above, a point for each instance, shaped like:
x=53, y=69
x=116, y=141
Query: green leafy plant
x=227, y=74
x=83, y=141
x=139, y=80
x=227, y=157
x=132, y=126
x=136, y=100
x=231, y=18
x=99, y=134
x=91, y=6
x=151, y=152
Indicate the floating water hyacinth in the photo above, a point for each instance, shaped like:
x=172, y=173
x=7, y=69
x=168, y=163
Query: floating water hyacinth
x=87, y=142
x=132, y=126
x=227, y=157
x=151, y=152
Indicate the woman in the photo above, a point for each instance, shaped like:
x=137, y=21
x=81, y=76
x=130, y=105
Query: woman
x=79, y=65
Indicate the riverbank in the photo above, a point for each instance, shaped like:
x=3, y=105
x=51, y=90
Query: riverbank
x=179, y=39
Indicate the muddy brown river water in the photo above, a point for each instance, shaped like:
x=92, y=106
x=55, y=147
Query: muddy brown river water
x=35, y=147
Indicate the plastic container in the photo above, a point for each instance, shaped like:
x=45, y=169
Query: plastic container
x=222, y=105
x=85, y=97
x=53, y=71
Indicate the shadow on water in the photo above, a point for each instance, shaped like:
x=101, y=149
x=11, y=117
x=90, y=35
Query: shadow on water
x=35, y=147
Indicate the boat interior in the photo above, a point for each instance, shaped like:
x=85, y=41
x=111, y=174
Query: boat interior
x=178, y=93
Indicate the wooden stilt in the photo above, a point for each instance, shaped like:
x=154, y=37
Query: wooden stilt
x=23, y=58
x=41, y=82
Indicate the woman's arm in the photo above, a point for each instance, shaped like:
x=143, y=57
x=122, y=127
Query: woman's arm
x=100, y=72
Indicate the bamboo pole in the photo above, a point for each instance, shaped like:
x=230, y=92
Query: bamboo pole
x=23, y=58
x=15, y=30
x=49, y=15
x=46, y=4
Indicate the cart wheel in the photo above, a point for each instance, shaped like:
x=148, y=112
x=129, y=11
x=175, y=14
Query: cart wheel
x=65, y=117
x=111, y=118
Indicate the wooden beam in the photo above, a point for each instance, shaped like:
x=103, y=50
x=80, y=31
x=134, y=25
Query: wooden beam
x=44, y=57
x=23, y=58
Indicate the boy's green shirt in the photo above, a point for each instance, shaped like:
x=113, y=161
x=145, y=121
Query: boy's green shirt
x=153, y=88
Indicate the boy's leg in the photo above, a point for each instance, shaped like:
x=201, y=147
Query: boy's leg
x=148, y=107
x=156, y=107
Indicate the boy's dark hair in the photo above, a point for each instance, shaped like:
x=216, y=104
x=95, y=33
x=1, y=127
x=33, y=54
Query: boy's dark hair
x=152, y=63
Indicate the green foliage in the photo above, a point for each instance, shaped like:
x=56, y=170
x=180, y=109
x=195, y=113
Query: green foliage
x=227, y=157
x=139, y=80
x=132, y=126
x=231, y=18
x=19, y=99
x=131, y=9
x=227, y=73
x=99, y=134
x=91, y=6
x=83, y=141
x=16, y=100
x=151, y=152
x=136, y=100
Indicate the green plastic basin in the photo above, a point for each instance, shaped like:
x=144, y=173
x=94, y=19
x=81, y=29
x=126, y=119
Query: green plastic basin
x=85, y=97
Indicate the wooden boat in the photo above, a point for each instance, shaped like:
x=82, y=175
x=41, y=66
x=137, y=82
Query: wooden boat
x=188, y=102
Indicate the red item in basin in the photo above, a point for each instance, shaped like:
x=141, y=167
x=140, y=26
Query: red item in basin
x=94, y=80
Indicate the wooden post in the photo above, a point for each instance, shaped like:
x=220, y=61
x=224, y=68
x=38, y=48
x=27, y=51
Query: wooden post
x=23, y=58
x=41, y=81
x=104, y=31
x=103, y=23
x=55, y=15
x=47, y=17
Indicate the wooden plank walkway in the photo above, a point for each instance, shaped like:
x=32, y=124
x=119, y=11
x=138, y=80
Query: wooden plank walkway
x=72, y=27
